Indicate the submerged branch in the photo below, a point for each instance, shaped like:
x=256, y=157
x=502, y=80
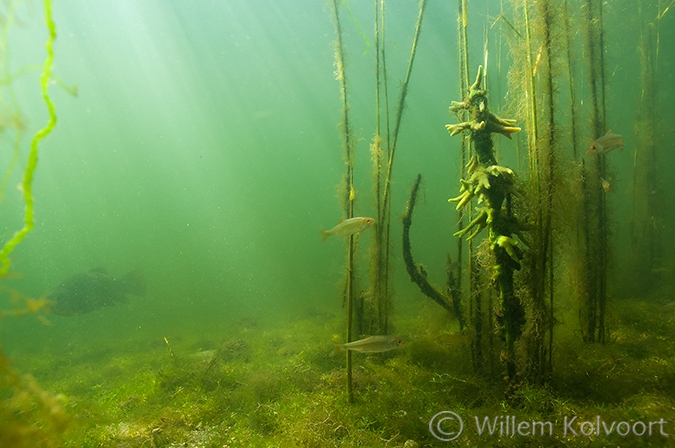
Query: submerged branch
x=416, y=272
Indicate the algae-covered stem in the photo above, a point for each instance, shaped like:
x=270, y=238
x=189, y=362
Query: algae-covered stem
x=31, y=165
x=463, y=64
x=570, y=78
x=544, y=152
x=494, y=186
x=602, y=171
x=380, y=263
x=380, y=252
x=568, y=39
x=348, y=199
x=596, y=255
x=646, y=212
x=399, y=114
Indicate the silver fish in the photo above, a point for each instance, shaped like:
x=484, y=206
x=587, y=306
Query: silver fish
x=348, y=227
x=371, y=344
x=606, y=143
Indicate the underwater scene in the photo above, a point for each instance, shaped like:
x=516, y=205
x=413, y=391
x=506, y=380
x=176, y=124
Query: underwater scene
x=337, y=223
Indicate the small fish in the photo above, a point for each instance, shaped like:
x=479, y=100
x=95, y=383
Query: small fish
x=605, y=144
x=606, y=186
x=452, y=267
x=348, y=227
x=91, y=290
x=371, y=344
x=536, y=62
x=454, y=339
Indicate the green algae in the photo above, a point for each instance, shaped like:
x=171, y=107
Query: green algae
x=273, y=388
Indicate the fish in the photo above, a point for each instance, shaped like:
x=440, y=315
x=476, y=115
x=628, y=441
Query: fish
x=606, y=186
x=606, y=143
x=455, y=339
x=94, y=289
x=348, y=227
x=370, y=344
x=536, y=62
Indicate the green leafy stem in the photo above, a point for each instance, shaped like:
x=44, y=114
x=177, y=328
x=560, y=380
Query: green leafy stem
x=33, y=155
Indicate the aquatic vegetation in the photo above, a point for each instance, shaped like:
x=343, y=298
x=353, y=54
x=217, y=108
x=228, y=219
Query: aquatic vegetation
x=23, y=401
x=31, y=165
x=494, y=185
x=379, y=294
x=349, y=193
x=249, y=393
x=648, y=180
x=370, y=312
x=266, y=379
x=596, y=210
x=24, y=305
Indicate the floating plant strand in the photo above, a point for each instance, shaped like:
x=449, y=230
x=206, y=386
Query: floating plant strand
x=27, y=184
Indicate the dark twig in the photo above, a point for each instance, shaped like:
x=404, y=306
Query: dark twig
x=417, y=272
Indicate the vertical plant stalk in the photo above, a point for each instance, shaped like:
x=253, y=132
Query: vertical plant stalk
x=31, y=165
x=348, y=198
x=379, y=253
x=385, y=212
x=475, y=313
x=385, y=83
x=597, y=251
x=532, y=125
x=602, y=170
x=494, y=186
x=544, y=151
x=541, y=230
x=646, y=213
x=383, y=238
x=581, y=231
x=380, y=270
x=463, y=42
x=570, y=79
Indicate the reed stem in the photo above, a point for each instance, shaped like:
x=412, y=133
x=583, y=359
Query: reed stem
x=399, y=113
x=380, y=263
x=348, y=198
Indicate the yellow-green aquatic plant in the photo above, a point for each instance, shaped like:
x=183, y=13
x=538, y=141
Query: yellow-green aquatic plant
x=595, y=200
x=378, y=297
x=30, y=415
x=543, y=124
x=379, y=151
x=383, y=164
x=349, y=192
x=647, y=214
x=31, y=165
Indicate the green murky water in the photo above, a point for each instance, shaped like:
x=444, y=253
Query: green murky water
x=204, y=147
